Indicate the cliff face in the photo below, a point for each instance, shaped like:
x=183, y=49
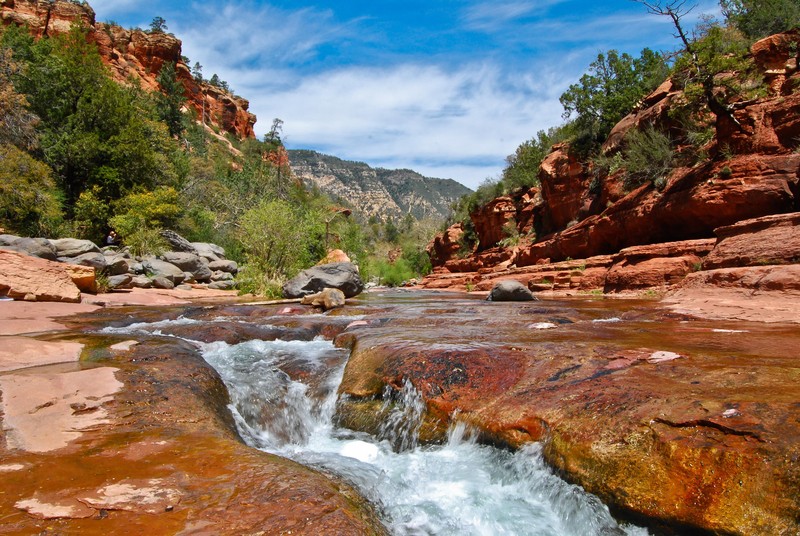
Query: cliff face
x=133, y=55
x=385, y=194
x=754, y=171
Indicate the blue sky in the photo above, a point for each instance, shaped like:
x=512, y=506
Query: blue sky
x=447, y=88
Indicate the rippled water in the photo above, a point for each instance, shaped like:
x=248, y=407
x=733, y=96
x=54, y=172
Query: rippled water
x=283, y=397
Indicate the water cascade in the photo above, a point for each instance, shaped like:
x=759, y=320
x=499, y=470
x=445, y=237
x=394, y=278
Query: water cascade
x=283, y=398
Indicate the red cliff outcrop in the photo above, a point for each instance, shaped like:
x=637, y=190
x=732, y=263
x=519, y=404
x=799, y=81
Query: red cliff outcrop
x=753, y=171
x=134, y=55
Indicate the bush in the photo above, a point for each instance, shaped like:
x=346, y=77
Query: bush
x=29, y=200
x=760, y=18
x=141, y=216
x=647, y=157
x=279, y=240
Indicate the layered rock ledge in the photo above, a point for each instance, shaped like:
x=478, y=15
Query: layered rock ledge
x=136, y=438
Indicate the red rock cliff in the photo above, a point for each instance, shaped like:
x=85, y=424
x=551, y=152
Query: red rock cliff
x=133, y=54
x=752, y=172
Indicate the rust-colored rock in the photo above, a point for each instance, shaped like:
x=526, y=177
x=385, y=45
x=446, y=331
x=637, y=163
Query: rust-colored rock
x=760, y=241
x=446, y=245
x=564, y=181
x=84, y=277
x=493, y=220
x=164, y=459
x=334, y=255
x=694, y=203
x=33, y=279
x=691, y=426
x=656, y=266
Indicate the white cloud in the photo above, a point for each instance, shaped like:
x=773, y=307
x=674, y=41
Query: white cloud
x=492, y=16
x=460, y=123
x=455, y=121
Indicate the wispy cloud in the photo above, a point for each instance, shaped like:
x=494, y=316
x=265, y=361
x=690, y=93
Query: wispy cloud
x=339, y=90
x=491, y=16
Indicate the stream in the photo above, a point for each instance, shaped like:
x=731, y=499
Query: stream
x=284, y=396
x=283, y=399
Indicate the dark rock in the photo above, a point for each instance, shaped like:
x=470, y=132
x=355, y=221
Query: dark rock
x=222, y=285
x=35, y=247
x=510, y=290
x=95, y=260
x=72, y=247
x=159, y=268
x=224, y=266
x=210, y=252
x=341, y=275
x=119, y=281
x=177, y=242
x=189, y=262
x=141, y=281
x=117, y=265
x=162, y=282
x=222, y=276
x=8, y=239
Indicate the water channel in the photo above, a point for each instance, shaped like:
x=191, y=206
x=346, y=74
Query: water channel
x=284, y=390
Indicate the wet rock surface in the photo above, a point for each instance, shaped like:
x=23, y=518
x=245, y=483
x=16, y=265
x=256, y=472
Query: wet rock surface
x=690, y=424
x=160, y=455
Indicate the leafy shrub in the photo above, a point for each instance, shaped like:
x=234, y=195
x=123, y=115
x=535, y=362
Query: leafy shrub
x=142, y=215
x=648, y=157
x=279, y=240
x=29, y=199
x=760, y=18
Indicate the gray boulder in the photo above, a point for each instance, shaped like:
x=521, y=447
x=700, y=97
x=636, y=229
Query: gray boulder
x=8, y=239
x=119, y=281
x=162, y=283
x=222, y=285
x=95, y=260
x=210, y=252
x=72, y=247
x=35, y=247
x=188, y=262
x=159, y=268
x=341, y=275
x=224, y=265
x=141, y=281
x=222, y=276
x=510, y=290
x=117, y=265
x=177, y=242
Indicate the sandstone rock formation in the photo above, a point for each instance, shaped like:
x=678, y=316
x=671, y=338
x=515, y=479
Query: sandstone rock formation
x=23, y=277
x=752, y=172
x=134, y=54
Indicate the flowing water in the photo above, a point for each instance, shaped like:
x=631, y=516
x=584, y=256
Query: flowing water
x=283, y=398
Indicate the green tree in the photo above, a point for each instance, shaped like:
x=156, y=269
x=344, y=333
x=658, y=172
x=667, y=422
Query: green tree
x=760, y=18
x=140, y=217
x=608, y=92
x=93, y=131
x=29, y=199
x=158, y=25
x=279, y=240
x=17, y=124
x=171, y=98
x=718, y=51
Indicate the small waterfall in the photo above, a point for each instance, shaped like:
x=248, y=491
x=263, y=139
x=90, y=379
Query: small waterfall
x=402, y=413
x=283, y=397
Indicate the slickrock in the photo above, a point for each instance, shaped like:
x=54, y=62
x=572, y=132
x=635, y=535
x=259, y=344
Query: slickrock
x=35, y=279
